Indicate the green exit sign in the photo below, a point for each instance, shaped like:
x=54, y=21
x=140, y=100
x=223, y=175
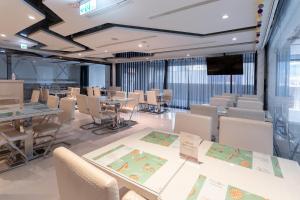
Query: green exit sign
x=88, y=6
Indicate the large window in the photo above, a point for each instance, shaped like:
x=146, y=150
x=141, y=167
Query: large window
x=187, y=78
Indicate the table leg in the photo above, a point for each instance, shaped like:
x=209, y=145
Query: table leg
x=29, y=145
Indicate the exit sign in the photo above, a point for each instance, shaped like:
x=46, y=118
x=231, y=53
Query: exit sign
x=88, y=6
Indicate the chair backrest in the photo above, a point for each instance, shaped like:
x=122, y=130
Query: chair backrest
x=82, y=104
x=120, y=94
x=194, y=124
x=68, y=107
x=35, y=96
x=97, y=92
x=94, y=107
x=167, y=95
x=157, y=91
x=151, y=98
x=246, y=134
x=77, y=179
x=75, y=92
x=221, y=102
x=248, y=99
x=254, y=105
x=45, y=94
x=210, y=111
x=142, y=96
x=52, y=101
x=90, y=91
x=246, y=114
x=135, y=102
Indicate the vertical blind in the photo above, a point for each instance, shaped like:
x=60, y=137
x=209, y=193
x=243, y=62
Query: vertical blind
x=141, y=75
x=187, y=78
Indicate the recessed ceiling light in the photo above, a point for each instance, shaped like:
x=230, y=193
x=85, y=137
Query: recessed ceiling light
x=140, y=45
x=31, y=17
x=79, y=54
x=106, y=51
x=147, y=58
x=3, y=35
x=234, y=39
x=188, y=55
x=225, y=16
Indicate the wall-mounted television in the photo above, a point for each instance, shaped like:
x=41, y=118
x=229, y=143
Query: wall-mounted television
x=225, y=65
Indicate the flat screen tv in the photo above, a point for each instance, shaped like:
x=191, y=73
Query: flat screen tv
x=225, y=65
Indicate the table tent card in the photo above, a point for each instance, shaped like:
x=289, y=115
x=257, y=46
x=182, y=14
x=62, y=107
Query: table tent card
x=189, y=144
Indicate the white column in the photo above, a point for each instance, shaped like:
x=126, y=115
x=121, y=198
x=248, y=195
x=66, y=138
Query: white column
x=260, y=73
x=114, y=71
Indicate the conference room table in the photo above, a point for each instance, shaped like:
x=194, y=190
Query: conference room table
x=27, y=111
x=149, y=163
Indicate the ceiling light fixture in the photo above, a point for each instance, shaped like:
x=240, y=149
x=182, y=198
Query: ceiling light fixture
x=188, y=55
x=225, y=16
x=106, y=51
x=140, y=45
x=31, y=17
x=3, y=35
x=234, y=39
x=80, y=54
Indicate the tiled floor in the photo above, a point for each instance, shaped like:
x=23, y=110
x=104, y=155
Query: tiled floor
x=37, y=180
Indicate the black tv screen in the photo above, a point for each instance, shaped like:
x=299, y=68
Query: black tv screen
x=225, y=65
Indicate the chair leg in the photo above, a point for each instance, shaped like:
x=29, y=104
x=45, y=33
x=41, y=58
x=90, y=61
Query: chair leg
x=12, y=145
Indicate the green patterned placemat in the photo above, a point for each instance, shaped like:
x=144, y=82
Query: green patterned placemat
x=229, y=154
x=234, y=193
x=196, y=188
x=160, y=138
x=276, y=167
x=138, y=165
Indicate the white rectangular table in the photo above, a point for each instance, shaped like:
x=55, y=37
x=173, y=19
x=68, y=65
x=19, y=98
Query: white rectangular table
x=215, y=178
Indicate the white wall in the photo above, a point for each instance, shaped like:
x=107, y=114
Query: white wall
x=99, y=75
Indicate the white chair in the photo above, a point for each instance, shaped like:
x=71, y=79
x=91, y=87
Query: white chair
x=221, y=102
x=210, y=111
x=35, y=96
x=132, y=105
x=142, y=101
x=247, y=134
x=120, y=95
x=167, y=96
x=50, y=129
x=52, y=101
x=74, y=92
x=82, y=105
x=78, y=179
x=246, y=114
x=254, y=105
x=152, y=101
x=96, y=112
x=194, y=124
x=9, y=137
x=90, y=91
x=97, y=92
x=157, y=91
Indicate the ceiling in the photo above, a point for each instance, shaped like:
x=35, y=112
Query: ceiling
x=166, y=29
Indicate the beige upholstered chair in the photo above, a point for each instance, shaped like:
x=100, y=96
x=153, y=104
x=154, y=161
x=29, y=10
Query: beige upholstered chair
x=142, y=101
x=210, y=111
x=96, y=112
x=52, y=101
x=82, y=105
x=247, y=134
x=194, y=124
x=74, y=92
x=167, y=97
x=90, y=91
x=9, y=137
x=157, y=91
x=79, y=180
x=97, y=92
x=120, y=94
x=35, y=96
x=132, y=104
x=254, y=105
x=246, y=114
x=50, y=129
x=152, y=100
x=221, y=102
